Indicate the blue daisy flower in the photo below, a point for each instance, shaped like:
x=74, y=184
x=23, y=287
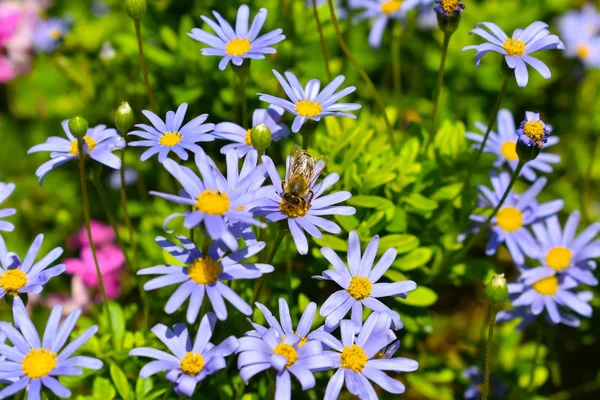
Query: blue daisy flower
x=551, y=294
x=310, y=103
x=204, y=274
x=27, y=276
x=359, y=282
x=517, y=212
x=99, y=143
x=356, y=358
x=533, y=131
x=241, y=136
x=6, y=190
x=285, y=327
x=287, y=356
x=49, y=33
x=381, y=11
x=562, y=252
x=504, y=146
x=3, y=359
x=475, y=377
x=243, y=42
x=448, y=8
x=302, y=218
x=581, y=33
x=164, y=137
x=517, y=50
x=215, y=203
x=32, y=362
x=189, y=362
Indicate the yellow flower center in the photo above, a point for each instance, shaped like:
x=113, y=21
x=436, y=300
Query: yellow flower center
x=13, y=280
x=288, y=351
x=391, y=6
x=559, y=258
x=205, y=271
x=192, y=363
x=535, y=131
x=509, y=150
x=510, y=219
x=238, y=47
x=514, y=47
x=170, y=139
x=354, y=358
x=248, y=138
x=449, y=6
x=55, y=33
x=547, y=286
x=583, y=51
x=360, y=288
x=293, y=210
x=307, y=108
x=91, y=144
x=38, y=363
x=213, y=202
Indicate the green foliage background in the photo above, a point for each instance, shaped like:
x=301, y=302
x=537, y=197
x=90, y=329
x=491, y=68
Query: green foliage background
x=396, y=193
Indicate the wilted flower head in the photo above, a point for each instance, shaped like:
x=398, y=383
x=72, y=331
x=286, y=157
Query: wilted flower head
x=243, y=42
x=449, y=8
x=517, y=49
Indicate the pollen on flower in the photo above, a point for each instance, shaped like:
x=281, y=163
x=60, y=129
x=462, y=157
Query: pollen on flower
x=559, y=258
x=514, y=47
x=38, y=363
x=535, y=131
x=248, y=137
x=547, y=286
x=192, y=363
x=91, y=144
x=238, y=47
x=509, y=150
x=307, y=108
x=354, y=358
x=391, y=6
x=583, y=52
x=360, y=288
x=213, y=202
x=509, y=219
x=170, y=139
x=13, y=280
x=205, y=271
x=449, y=6
x=293, y=210
x=288, y=351
x=54, y=33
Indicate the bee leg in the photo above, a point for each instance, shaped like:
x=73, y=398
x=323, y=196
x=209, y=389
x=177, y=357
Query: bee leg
x=309, y=201
x=283, y=185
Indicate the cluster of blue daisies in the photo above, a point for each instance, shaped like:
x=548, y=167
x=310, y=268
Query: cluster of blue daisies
x=228, y=208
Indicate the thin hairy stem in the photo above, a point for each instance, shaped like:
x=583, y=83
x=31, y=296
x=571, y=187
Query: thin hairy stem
x=322, y=40
x=138, y=34
x=489, y=352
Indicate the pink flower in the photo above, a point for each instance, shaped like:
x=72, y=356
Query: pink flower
x=101, y=235
x=7, y=70
x=9, y=21
x=110, y=260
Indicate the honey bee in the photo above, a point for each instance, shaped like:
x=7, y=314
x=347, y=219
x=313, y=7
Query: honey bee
x=303, y=171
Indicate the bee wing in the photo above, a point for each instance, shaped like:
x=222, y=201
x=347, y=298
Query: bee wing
x=292, y=165
x=320, y=164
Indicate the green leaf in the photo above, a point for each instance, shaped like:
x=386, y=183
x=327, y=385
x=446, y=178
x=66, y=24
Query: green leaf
x=103, y=389
x=415, y=259
x=142, y=388
x=420, y=297
x=401, y=242
x=450, y=140
x=117, y=323
x=120, y=381
x=379, y=203
x=420, y=202
x=333, y=241
x=169, y=37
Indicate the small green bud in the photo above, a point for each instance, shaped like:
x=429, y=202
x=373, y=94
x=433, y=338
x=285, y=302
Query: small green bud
x=135, y=9
x=448, y=25
x=527, y=153
x=497, y=290
x=261, y=137
x=124, y=118
x=78, y=126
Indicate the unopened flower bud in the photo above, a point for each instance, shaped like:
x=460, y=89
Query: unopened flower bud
x=78, y=126
x=261, y=137
x=135, y=9
x=448, y=15
x=497, y=290
x=124, y=118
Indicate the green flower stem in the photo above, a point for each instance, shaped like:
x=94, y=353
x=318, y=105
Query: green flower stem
x=363, y=74
x=487, y=222
x=396, y=71
x=490, y=125
x=242, y=77
x=132, y=242
x=260, y=283
x=88, y=228
x=322, y=40
x=588, y=178
x=489, y=352
x=307, y=132
x=438, y=91
x=138, y=34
